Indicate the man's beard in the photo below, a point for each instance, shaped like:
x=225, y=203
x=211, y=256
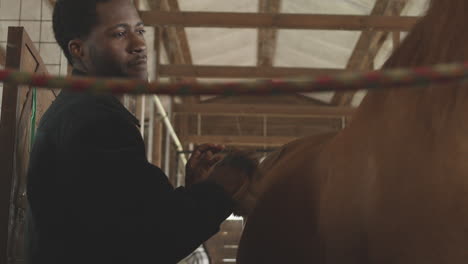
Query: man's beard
x=104, y=66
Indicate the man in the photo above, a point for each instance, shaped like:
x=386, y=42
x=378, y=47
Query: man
x=94, y=197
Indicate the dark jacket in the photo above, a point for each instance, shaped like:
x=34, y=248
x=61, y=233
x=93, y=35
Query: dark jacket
x=94, y=197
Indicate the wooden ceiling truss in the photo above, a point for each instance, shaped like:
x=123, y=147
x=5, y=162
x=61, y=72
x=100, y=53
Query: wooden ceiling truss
x=369, y=44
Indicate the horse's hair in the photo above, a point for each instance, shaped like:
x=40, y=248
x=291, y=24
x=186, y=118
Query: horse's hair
x=437, y=38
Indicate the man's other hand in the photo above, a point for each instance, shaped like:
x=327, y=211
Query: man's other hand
x=200, y=162
x=234, y=172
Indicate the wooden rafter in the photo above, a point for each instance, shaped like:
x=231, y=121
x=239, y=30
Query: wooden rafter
x=267, y=109
x=369, y=45
x=174, y=39
x=284, y=21
x=154, y=4
x=175, y=43
x=182, y=40
x=272, y=141
x=243, y=72
x=266, y=45
x=155, y=126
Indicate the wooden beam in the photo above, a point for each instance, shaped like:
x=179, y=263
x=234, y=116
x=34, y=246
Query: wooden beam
x=168, y=36
x=261, y=110
x=15, y=128
x=170, y=44
x=8, y=124
x=140, y=112
x=285, y=21
x=2, y=56
x=368, y=45
x=181, y=34
x=396, y=37
x=181, y=54
x=154, y=4
x=267, y=38
x=241, y=140
x=157, y=124
x=137, y=4
x=157, y=141
x=52, y=2
x=175, y=43
x=240, y=71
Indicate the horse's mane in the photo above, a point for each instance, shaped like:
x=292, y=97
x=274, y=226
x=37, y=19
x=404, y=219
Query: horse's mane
x=439, y=37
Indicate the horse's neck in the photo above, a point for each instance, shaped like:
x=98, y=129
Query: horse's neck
x=430, y=122
x=430, y=108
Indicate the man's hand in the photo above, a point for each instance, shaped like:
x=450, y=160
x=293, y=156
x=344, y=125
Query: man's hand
x=234, y=172
x=200, y=162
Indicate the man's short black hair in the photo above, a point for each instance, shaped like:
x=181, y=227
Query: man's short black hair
x=73, y=19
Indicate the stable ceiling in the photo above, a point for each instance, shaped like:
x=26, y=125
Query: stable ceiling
x=220, y=46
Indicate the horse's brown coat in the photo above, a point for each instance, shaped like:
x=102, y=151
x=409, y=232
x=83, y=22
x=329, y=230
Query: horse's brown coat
x=390, y=188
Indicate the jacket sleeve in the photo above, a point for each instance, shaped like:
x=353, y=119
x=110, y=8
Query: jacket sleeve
x=118, y=196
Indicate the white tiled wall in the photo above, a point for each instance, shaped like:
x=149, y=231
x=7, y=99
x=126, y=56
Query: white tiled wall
x=33, y=28
x=47, y=34
x=30, y=9
x=36, y=17
x=50, y=53
x=10, y=9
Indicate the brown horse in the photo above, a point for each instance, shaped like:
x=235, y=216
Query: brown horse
x=390, y=188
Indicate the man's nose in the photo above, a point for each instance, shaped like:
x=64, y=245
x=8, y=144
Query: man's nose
x=137, y=44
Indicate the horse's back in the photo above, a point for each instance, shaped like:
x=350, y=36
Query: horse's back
x=283, y=228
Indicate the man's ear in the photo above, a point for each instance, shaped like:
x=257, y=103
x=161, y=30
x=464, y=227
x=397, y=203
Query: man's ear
x=76, y=49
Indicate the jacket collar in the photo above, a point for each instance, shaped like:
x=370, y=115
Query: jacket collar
x=111, y=101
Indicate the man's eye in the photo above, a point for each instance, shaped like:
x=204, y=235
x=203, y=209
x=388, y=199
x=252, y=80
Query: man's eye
x=141, y=31
x=120, y=34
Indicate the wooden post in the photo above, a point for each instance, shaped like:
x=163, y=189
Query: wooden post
x=7, y=141
x=157, y=139
x=140, y=100
x=178, y=50
x=15, y=138
x=2, y=56
x=267, y=38
x=396, y=36
x=140, y=112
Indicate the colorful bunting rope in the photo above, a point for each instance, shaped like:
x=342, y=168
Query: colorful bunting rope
x=395, y=78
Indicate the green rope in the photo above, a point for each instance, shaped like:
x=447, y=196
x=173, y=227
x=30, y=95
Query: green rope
x=33, y=118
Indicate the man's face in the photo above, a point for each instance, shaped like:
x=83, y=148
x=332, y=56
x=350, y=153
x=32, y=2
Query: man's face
x=116, y=46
